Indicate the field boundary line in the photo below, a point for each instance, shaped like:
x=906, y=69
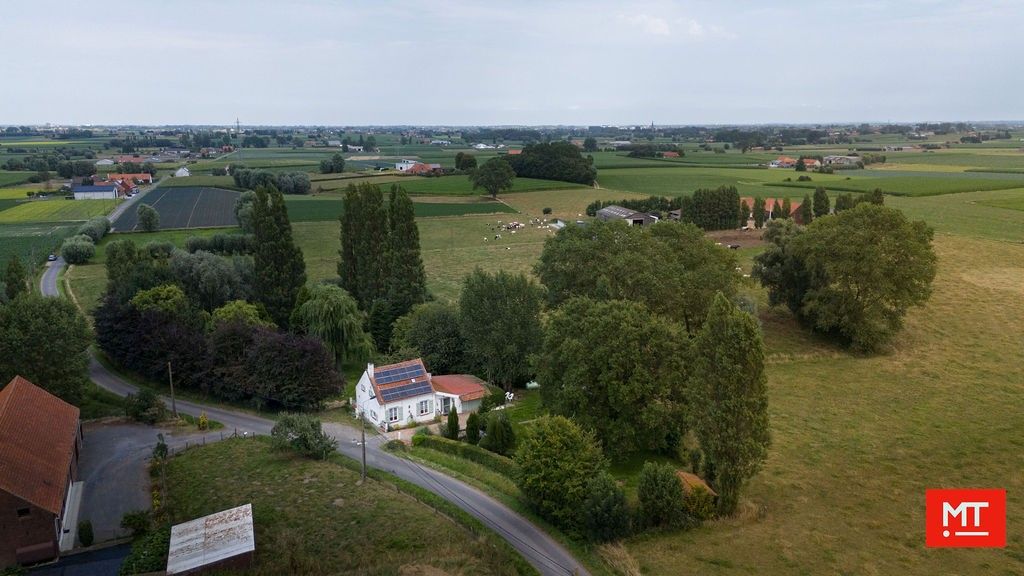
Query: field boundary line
x=188, y=223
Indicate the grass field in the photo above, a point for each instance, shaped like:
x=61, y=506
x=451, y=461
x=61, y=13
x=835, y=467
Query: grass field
x=56, y=210
x=676, y=181
x=185, y=208
x=200, y=181
x=857, y=440
x=321, y=209
x=32, y=242
x=8, y=178
x=912, y=185
x=312, y=517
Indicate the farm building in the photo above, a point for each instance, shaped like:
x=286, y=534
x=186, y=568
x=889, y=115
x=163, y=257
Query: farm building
x=812, y=163
x=632, y=217
x=405, y=393
x=105, y=162
x=783, y=162
x=670, y=154
x=841, y=160
x=422, y=169
x=440, y=142
x=182, y=172
x=404, y=165
x=144, y=177
x=514, y=151
x=109, y=191
x=40, y=440
x=352, y=148
x=334, y=143
x=220, y=541
x=482, y=146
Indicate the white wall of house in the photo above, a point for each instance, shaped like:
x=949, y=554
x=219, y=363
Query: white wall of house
x=414, y=410
x=104, y=195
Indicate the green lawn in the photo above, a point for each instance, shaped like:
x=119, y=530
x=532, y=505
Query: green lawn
x=99, y=403
x=56, y=210
x=311, y=517
x=460, y=185
x=918, y=185
x=8, y=178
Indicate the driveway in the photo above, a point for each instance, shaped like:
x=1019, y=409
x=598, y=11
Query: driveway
x=114, y=468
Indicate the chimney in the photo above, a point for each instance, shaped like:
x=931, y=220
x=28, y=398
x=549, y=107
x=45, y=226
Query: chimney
x=369, y=369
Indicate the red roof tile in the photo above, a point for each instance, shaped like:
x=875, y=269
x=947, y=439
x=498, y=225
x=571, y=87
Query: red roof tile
x=466, y=386
x=38, y=433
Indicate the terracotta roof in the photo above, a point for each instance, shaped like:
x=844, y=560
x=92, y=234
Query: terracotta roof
x=466, y=386
x=691, y=481
x=144, y=176
x=38, y=433
x=670, y=154
x=514, y=151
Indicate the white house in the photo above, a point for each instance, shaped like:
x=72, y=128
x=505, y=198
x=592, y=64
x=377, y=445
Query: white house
x=105, y=162
x=352, y=148
x=334, y=143
x=482, y=146
x=440, y=142
x=841, y=160
x=405, y=393
x=102, y=192
x=182, y=172
x=404, y=165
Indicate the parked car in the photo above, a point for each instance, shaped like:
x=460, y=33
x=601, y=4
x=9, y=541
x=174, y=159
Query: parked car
x=52, y=257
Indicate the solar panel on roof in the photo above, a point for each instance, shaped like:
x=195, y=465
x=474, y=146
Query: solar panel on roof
x=406, y=390
x=398, y=374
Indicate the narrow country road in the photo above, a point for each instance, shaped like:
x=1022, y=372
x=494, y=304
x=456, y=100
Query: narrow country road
x=540, y=550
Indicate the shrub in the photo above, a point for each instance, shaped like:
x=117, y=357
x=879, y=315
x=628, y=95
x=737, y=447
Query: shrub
x=78, y=249
x=804, y=178
x=500, y=438
x=149, y=553
x=303, y=434
x=160, y=450
x=395, y=446
x=660, y=494
x=145, y=407
x=96, y=228
x=699, y=504
x=85, y=534
x=203, y=422
x=473, y=428
x=605, y=512
x=452, y=429
x=136, y=522
x=557, y=459
x=546, y=211
x=149, y=218
x=498, y=463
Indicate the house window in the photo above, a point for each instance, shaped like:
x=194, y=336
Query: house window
x=424, y=407
x=446, y=405
x=393, y=414
x=362, y=387
x=373, y=415
x=24, y=512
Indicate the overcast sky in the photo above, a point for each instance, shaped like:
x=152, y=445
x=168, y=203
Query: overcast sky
x=509, y=62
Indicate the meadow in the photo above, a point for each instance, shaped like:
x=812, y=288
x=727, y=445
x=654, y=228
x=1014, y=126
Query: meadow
x=8, y=178
x=321, y=209
x=372, y=527
x=56, y=210
x=32, y=242
x=185, y=207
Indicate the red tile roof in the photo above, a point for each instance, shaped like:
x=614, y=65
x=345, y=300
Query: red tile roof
x=466, y=386
x=144, y=176
x=38, y=433
x=670, y=154
x=514, y=151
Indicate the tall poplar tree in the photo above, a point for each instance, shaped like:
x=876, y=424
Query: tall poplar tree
x=806, y=212
x=759, y=212
x=15, y=278
x=280, y=269
x=729, y=401
x=787, y=208
x=821, y=202
x=350, y=232
x=371, y=246
x=407, y=281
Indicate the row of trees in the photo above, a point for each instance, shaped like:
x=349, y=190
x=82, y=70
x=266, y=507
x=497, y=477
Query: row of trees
x=286, y=183
x=553, y=161
x=333, y=165
x=81, y=247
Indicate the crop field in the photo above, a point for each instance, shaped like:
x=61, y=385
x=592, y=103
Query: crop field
x=32, y=242
x=438, y=186
x=320, y=209
x=674, y=181
x=200, y=181
x=911, y=185
x=978, y=159
x=56, y=210
x=8, y=178
x=185, y=208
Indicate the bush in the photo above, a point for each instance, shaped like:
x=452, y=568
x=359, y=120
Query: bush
x=451, y=430
x=395, y=446
x=500, y=437
x=546, y=211
x=149, y=218
x=160, y=450
x=224, y=244
x=804, y=178
x=499, y=464
x=660, y=493
x=203, y=423
x=145, y=407
x=78, y=249
x=85, y=535
x=473, y=428
x=557, y=459
x=605, y=512
x=303, y=434
x=699, y=504
x=149, y=553
x=96, y=228
x=137, y=522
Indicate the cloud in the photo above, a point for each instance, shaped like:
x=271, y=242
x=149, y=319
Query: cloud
x=649, y=24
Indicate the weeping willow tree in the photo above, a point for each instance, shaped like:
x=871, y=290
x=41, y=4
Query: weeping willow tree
x=329, y=313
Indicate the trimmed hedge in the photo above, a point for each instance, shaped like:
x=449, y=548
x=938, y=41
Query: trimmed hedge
x=496, y=462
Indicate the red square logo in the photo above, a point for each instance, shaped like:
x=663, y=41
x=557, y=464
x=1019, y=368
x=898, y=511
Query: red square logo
x=965, y=518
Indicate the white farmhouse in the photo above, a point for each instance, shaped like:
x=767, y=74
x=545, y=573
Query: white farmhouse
x=405, y=393
x=182, y=172
x=404, y=165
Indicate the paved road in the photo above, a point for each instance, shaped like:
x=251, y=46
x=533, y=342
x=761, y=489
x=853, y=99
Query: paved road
x=543, y=552
x=48, y=283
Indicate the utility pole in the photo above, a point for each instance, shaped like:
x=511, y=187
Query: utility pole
x=362, y=430
x=170, y=380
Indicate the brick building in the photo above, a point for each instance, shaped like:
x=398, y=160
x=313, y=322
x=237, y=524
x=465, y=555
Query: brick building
x=40, y=440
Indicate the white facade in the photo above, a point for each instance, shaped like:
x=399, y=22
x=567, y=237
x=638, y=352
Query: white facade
x=105, y=162
x=103, y=195
x=419, y=409
x=182, y=172
x=405, y=165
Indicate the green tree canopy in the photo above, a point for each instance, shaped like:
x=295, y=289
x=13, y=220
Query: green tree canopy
x=15, y=278
x=46, y=341
x=854, y=274
x=730, y=399
x=243, y=312
x=557, y=459
x=617, y=369
x=500, y=319
x=821, y=202
x=167, y=299
x=433, y=329
x=759, y=212
x=673, y=269
x=329, y=313
x=494, y=176
x=279, y=267
x=406, y=280
x=149, y=218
